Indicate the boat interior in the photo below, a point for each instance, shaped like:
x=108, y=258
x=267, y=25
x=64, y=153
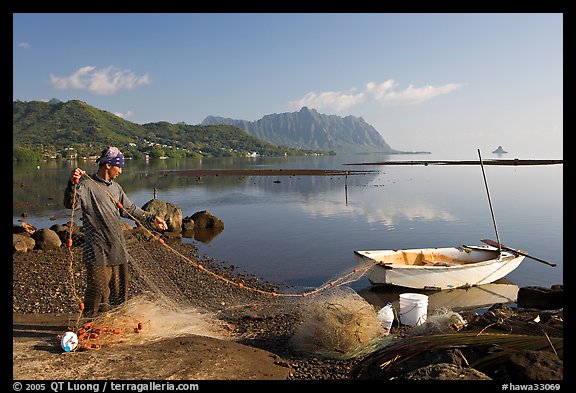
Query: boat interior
x=433, y=257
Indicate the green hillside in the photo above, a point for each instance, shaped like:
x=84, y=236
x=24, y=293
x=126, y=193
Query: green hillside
x=74, y=128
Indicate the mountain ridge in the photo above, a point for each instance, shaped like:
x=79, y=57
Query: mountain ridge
x=313, y=130
x=74, y=128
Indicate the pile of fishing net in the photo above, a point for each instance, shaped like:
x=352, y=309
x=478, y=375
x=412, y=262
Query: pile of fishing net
x=141, y=319
x=339, y=324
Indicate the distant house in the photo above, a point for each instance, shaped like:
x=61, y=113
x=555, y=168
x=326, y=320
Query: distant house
x=499, y=151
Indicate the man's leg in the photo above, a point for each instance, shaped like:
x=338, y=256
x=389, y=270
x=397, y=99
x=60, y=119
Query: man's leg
x=97, y=291
x=119, y=285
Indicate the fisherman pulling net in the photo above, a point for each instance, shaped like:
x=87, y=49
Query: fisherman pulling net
x=134, y=285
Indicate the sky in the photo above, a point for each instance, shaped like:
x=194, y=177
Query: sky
x=439, y=82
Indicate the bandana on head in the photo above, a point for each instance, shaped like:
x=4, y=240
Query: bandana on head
x=113, y=156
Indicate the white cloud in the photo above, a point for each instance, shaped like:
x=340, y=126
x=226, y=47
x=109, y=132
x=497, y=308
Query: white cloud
x=24, y=45
x=334, y=100
x=384, y=93
x=105, y=81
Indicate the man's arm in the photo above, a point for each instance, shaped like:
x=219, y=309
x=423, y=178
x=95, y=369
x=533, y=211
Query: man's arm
x=71, y=188
x=131, y=210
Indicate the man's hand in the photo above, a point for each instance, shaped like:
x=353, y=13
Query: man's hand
x=76, y=175
x=160, y=223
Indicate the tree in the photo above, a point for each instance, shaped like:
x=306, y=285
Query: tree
x=25, y=154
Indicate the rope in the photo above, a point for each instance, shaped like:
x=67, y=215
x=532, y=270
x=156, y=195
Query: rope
x=71, y=261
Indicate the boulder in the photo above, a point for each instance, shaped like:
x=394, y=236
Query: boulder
x=22, y=243
x=530, y=365
x=24, y=228
x=205, y=219
x=541, y=298
x=46, y=239
x=63, y=232
x=171, y=213
x=188, y=227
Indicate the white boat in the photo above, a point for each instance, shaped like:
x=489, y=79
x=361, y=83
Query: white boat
x=438, y=268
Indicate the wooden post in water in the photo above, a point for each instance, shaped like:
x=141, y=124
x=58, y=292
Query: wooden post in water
x=346, y=187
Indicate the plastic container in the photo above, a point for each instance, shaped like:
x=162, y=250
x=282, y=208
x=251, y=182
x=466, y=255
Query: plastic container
x=69, y=341
x=413, y=309
x=386, y=317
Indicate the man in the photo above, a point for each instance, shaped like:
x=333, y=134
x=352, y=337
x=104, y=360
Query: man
x=103, y=203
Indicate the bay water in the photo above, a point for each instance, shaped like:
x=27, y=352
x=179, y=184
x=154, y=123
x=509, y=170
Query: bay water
x=302, y=230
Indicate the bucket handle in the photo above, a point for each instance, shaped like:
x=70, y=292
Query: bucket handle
x=406, y=312
x=422, y=317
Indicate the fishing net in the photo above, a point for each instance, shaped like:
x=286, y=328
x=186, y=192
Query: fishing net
x=338, y=324
x=141, y=319
x=439, y=321
x=168, y=294
x=169, y=291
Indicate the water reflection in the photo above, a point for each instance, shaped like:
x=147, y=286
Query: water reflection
x=459, y=299
x=204, y=235
x=388, y=215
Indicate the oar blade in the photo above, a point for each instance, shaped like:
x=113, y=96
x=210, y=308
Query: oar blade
x=496, y=244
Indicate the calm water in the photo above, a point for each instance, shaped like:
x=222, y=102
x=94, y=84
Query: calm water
x=302, y=230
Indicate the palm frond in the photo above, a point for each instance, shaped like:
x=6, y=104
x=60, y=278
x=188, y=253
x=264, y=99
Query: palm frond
x=490, y=350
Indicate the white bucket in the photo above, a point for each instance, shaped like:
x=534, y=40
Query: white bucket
x=413, y=309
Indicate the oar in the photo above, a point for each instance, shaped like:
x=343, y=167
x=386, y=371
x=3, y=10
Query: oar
x=490, y=203
x=495, y=244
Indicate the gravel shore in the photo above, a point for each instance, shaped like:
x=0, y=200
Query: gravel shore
x=42, y=285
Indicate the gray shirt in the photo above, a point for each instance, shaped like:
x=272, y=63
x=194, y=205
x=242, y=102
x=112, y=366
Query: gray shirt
x=104, y=242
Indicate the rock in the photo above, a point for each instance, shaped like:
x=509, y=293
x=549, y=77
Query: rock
x=63, y=232
x=171, y=213
x=46, y=239
x=444, y=372
x=22, y=243
x=205, y=219
x=19, y=229
x=203, y=226
x=188, y=227
x=541, y=298
x=23, y=228
x=535, y=366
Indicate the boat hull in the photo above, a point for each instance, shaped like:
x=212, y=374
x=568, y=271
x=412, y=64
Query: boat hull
x=438, y=268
